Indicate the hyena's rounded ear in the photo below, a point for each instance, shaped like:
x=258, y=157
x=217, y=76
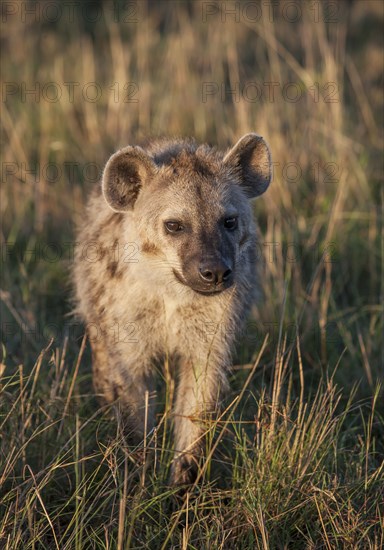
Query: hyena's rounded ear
x=251, y=158
x=124, y=174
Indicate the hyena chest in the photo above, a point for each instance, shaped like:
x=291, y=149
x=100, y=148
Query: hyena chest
x=187, y=324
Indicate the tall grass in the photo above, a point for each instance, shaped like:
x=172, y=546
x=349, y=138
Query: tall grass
x=298, y=451
x=289, y=476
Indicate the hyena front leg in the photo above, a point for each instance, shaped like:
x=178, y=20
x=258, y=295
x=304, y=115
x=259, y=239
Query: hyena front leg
x=198, y=393
x=118, y=381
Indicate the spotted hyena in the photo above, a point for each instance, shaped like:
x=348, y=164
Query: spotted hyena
x=166, y=265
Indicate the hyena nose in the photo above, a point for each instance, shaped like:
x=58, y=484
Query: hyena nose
x=215, y=273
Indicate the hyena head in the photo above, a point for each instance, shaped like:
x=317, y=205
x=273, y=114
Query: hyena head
x=191, y=205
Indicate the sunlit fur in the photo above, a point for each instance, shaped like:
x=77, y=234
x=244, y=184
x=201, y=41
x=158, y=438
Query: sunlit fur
x=136, y=309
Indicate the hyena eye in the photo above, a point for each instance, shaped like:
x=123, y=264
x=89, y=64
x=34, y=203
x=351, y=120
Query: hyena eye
x=173, y=227
x=230, y=223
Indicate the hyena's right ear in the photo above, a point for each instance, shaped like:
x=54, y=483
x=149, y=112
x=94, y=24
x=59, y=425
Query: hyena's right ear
x=125, y=172
x=251, y=158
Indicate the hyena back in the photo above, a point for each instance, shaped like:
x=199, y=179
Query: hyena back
x=166, y=265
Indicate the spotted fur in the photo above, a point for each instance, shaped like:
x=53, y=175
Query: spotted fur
x=141, y=290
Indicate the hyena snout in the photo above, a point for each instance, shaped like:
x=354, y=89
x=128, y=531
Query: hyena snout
x=207, y=273
x=215, y=272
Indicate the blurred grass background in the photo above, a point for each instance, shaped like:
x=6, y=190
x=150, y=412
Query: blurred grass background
x=308, y=76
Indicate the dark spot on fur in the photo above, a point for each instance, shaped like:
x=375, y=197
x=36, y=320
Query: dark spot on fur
x=101, y=311
x=94, y=298
x=144, y=314
x=113, y=271
x=102, y=252
x=149, y=248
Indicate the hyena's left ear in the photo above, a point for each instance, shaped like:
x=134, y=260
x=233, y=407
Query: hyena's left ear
x=124, y=175
x=252, y=158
